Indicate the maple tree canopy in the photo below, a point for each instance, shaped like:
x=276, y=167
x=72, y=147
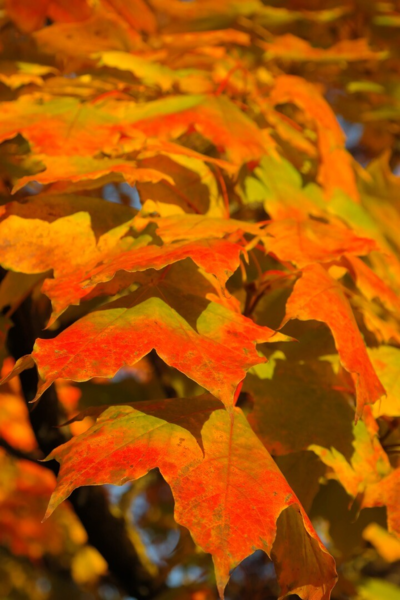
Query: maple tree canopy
x=200, y=296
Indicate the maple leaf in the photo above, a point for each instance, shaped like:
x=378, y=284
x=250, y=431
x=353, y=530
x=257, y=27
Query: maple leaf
x=368, y=476
x=219, y=14
x=386, y=544
x=218, y=120
x=310, y=241
x=377, y=302
x=197, y=227
x=78, y=272
x=196, y=189
x=290, y=47
x=136, y=13
x=279, y=186
x=104, y=216
x=228, y=514
x=104, y=29
x=27, y=17
x=60, y=245
x=209, y=342
x=154, y=74
x=17, y=74
x=276, y=16
x=370, y=284
x=366, y=222
x=78, y=168
x=386, y=362
x=67, y=127
x=317, y=296
x=200, y=39
x=304, y=472
x=218, y=257
x=297, y=404
x=14, y=422
x=295, y=90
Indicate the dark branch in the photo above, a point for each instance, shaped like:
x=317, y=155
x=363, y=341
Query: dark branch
x=106, y=532
x=31, y=456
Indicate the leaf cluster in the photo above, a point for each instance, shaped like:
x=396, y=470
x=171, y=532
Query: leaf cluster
x=200, y=290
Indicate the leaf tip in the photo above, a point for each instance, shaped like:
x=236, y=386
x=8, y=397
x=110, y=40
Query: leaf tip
x=23, y=363
x=48, y=514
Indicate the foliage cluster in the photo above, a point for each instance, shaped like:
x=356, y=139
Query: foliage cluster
x=201, y=285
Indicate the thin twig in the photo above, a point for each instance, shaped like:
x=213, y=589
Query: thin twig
x=16, y=453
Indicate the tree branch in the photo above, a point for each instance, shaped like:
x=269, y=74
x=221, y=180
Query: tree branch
x=106, y=532
x=31, y=456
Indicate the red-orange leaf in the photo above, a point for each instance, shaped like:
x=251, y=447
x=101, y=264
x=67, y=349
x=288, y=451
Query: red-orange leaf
x=230, y=498
x=78, y=168
x=310, y=241
x=370, y=284
x=316, y=296
x=217, y=257
x=170, y=312
x=68, y=127
x=290, y=47
x=331, y=139
x=368, y=474
x=218, y=120
x=197, y=227
x=35, y=245
x=26, y=15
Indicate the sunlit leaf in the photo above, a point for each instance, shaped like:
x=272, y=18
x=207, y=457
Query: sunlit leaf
x=210, y=491
x=386, y=361
x=290, y=89
x=317, y=296
x=189, y=332
x=368, y=477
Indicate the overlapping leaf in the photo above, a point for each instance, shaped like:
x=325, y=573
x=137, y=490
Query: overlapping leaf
x=25, y=488
x=60, y=245
x=17, y=74
x=90, y=261
x=386, y=362
x=297, y=404
x=65, y=127
x=195, y=191
x=156, y=75
x=279, y=186
x=230, y=498
x=290, y=47
x=368, y=476
x=78, y=168
x=310, y=241
x=370, y=284
x=173, y=312
x=290, y=89
x=30, y=17
x=197, y=227
x=218, y=257
x=218, y=120
x=317, y=296
x=104, y=216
